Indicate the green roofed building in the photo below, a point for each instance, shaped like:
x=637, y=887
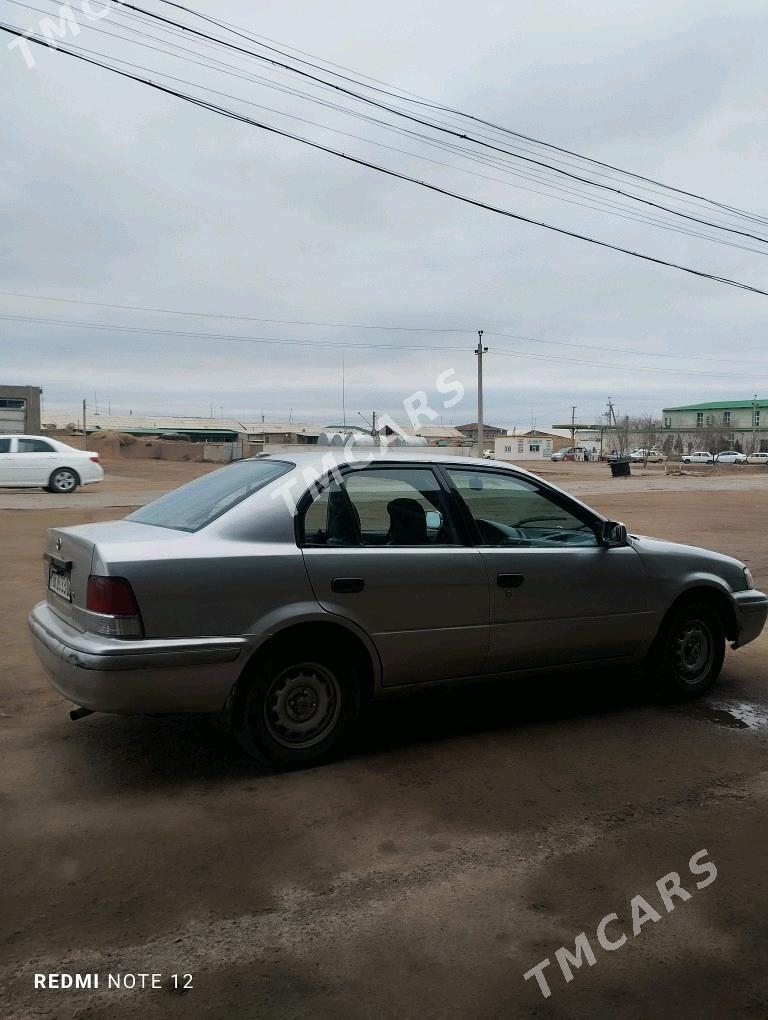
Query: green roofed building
x=742, y=423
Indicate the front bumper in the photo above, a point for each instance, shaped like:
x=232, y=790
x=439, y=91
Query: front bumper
x=751, y=611
x=135, y=677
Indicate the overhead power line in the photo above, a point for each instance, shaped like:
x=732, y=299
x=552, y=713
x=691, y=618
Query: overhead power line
x=234, y=338
x=405, y=96
x=435, y=125
x=459, y=330
x=241, y=118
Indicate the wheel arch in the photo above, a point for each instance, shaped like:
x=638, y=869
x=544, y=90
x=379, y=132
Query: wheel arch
x=327, y=633
x=714, y=598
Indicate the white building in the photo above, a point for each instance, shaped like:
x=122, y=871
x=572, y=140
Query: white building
x=535, y=444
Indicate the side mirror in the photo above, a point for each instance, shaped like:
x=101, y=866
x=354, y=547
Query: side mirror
x=434, y=520
x=613, y=534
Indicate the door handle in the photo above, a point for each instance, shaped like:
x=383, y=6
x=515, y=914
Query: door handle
x=347, y=585
x=509, y=580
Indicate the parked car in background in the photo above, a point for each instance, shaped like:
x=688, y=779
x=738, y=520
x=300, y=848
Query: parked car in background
x=37, y=462
x=698, y=457
x=758, y=458
x=285, y=592
x=651, y=456
x=570, y=453
x=730, y=457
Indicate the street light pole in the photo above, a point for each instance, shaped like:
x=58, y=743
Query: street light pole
x=480, y=351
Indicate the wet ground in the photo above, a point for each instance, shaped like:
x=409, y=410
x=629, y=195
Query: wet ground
x=469, y=835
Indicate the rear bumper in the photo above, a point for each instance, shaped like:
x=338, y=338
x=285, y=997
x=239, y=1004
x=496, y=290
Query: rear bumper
x=135, y=677
x=751, y=610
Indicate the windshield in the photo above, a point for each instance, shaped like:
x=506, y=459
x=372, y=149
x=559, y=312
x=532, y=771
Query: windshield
x=198, y=503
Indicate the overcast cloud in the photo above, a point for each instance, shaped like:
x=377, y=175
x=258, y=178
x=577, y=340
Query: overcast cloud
x=112, y=192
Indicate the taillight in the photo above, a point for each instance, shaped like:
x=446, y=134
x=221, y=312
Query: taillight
x=112, y=598
x=94, y=457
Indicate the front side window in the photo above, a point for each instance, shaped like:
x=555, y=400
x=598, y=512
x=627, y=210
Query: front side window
x=512, y=511
x=5, y=446
x=381, y=507
x=33, y=446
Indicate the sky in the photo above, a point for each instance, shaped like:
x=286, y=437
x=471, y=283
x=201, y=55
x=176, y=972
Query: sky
x=116, y=193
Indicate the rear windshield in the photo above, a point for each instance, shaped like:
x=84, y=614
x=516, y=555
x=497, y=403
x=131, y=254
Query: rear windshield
x=197, y=503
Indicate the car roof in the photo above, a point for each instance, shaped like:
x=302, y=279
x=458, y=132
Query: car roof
x=325, y=457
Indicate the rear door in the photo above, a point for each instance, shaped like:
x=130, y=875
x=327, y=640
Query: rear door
x=384, y=549
x=34, y=460
x=556, y=595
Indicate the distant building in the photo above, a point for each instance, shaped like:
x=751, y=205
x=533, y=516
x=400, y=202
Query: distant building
x=435, y=435
x=208, y=430
x=282, y=433
x=490, y=432
x=718, y=423
x=20, y=409
x=536, y=444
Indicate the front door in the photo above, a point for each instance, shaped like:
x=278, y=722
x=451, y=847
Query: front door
x=6, y=462
x=382, y=548
x=557, y=596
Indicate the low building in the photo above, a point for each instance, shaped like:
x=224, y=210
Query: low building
x=716, y=425
x=197, y=430
x=490, y=432
x=20, y=409
x=535, y=444
x=435, y=435
x=275, y=433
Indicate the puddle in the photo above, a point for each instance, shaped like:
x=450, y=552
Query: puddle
x=734, y=715
x=719, y=716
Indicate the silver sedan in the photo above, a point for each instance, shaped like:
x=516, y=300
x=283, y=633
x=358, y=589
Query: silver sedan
x=286, y=591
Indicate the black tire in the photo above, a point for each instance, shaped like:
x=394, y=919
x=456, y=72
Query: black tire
x=297, y=708
x=63, y=481
x=688, y=653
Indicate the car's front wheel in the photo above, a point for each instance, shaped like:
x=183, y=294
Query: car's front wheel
x=688, y=653
x=64, y=481
x=293, y=710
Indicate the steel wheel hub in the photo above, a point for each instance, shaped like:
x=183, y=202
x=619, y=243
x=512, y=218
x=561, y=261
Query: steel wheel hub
x=302, y=705
x=693, y=652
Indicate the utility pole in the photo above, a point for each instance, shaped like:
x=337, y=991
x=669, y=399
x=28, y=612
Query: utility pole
x=754, y=424
x=373, y=423
x=480, y=352
x=573, y=429
x=85, y=431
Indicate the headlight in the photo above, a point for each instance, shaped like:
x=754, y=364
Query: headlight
x=748, y=579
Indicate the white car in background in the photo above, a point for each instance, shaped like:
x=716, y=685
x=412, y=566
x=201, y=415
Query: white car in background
x=758, y=458
x=698, y=457
x=730, y=457
x=35, y=462
x=650, y=456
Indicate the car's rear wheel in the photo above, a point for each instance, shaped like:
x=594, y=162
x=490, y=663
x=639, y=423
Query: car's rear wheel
x=64, y=481
x=688, y=653
x=297, y=708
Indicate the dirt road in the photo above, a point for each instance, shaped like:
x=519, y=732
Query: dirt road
x=470, y=835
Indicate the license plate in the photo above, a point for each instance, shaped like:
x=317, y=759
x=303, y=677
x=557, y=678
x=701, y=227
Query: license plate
x=60, y=582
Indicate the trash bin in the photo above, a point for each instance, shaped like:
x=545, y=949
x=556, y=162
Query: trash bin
x=620, y=468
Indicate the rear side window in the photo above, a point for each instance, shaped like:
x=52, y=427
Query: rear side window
x=5, y=446
x=33, y=446
x=200, y=502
